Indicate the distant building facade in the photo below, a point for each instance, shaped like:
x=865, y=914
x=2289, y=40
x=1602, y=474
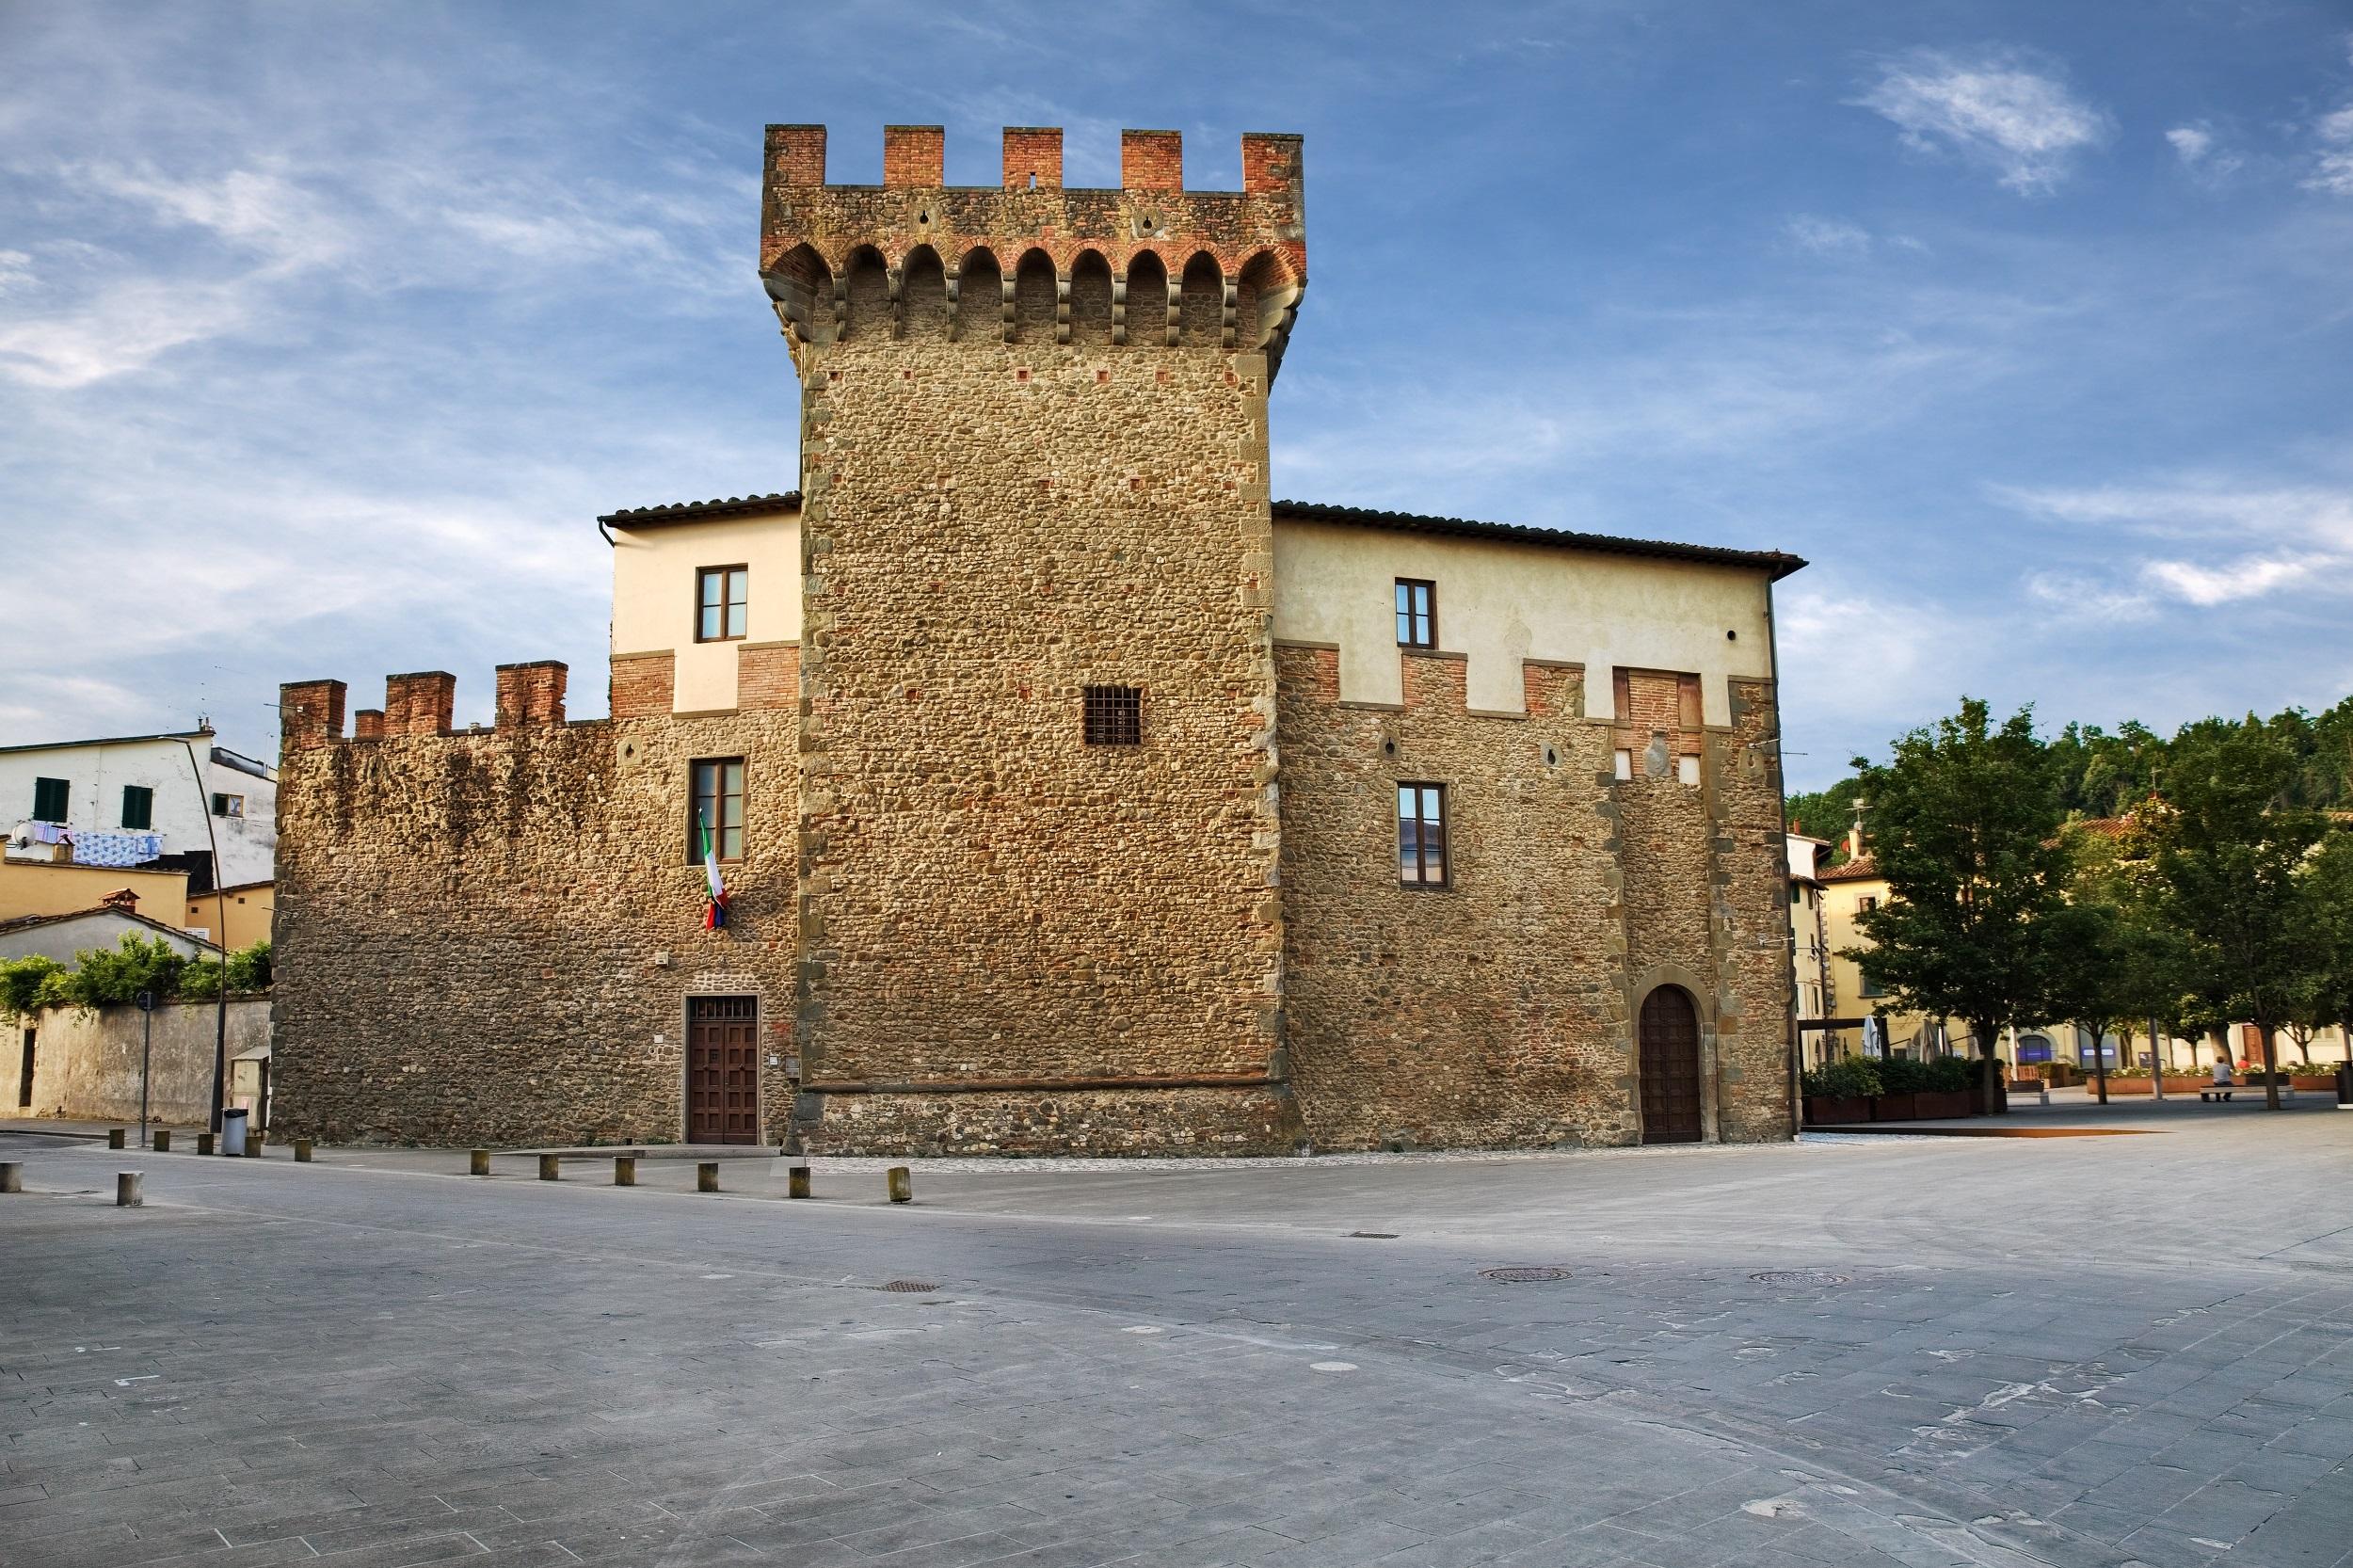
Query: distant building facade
x=1070, y=793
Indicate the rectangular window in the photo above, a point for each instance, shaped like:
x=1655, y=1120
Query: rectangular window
x=1872, y=987
x=1114, y=715
x=1421, y=835
x=722, y=597
x=229, y=806
x=718, y=789
x=1417, y=613
x=49, y=799
x=1865, y=904
x=139, y=806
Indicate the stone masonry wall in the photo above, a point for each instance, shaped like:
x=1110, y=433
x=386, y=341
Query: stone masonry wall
x=1482, y=1014
x=988, y=530
x=1039, y=468
x=1499, y=1010
x=489, y=938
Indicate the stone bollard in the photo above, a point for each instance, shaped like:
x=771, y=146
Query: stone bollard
x=624, y=1170
x=127, y=1189
x=162, y=1140
x=902, y=1182
x=478, y=1163
x=116, y=1136
x=547, y=1167
x=302, y=1151
x=11, y=1176
x=253, y=1146
x=707, y=1176
x=796, y=1181
x=204, y=1142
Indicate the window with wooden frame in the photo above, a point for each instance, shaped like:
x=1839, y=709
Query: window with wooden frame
x=1114, y=715
x=138, y=806
x=228, y=806
x=717, y=791
x=722, y=604
x=1421, y=835
x=50, y=799
x=1417, y=613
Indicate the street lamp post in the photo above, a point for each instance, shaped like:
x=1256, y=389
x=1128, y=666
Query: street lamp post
x=220, y=934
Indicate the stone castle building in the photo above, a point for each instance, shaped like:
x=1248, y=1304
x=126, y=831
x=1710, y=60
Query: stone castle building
x=1072, y=794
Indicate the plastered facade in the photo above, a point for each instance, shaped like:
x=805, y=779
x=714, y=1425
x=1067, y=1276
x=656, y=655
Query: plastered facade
x=1034, y=453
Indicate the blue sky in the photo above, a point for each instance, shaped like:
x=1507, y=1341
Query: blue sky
x=325, y=331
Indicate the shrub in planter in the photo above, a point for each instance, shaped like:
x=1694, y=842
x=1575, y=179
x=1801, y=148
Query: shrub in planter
x=1837, y=1109
x=1847, y=1078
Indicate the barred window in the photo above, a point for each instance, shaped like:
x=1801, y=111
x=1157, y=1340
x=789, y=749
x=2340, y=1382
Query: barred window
x=1115, y=715
x=1421, y=835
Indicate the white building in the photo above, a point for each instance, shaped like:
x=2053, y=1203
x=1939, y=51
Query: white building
x=177, y=799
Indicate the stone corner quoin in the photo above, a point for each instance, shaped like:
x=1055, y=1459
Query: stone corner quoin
x=1063, y=763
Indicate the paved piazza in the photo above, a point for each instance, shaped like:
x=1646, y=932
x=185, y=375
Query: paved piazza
x=2071, y=1351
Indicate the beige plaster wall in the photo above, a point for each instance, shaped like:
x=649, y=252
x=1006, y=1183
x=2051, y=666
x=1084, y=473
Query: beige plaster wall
x=32, y=887
x=653, y=595
x=248, y=910
x=1500, y=603
x=85, y=1065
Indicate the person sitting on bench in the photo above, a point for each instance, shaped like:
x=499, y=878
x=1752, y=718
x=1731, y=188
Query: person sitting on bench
x=2221, y=1087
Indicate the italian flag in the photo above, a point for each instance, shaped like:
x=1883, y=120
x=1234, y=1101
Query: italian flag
x=716, y=909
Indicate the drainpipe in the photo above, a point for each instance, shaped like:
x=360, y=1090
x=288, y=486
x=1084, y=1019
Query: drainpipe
x=1781, y=840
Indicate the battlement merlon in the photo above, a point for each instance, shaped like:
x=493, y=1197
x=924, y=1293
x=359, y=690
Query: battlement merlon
x=1148, y=234
x=422, y=703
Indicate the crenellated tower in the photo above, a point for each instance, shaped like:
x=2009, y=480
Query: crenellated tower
x=1039, y=837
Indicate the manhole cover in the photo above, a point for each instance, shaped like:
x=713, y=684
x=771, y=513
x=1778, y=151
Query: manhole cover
x=906, y=1286
x=1524, y=1275
x=1802, y=1276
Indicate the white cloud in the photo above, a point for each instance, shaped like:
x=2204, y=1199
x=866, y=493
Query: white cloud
x=2202, y=155
x=16, y=271
x=2336, y=127
x=1826, y=236
x=2333, y=173
x=2025, y=125
x=2305, y=536
x=2080, y=595
x=2247, y=579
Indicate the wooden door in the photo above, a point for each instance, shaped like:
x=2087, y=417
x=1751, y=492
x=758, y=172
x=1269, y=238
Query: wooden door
x=1670, y=1046
x=721, y=1070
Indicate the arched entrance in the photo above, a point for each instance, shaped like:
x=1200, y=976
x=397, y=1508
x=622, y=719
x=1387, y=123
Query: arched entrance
x=1668, y=1042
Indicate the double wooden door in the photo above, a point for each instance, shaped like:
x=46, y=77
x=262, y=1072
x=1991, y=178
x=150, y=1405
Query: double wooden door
x=1668, y=1043
x=723, y=1070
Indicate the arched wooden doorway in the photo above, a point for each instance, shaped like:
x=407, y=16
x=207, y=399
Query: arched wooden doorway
x=1669, y=1041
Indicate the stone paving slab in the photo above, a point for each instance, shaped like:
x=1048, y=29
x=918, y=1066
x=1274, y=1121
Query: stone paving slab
x=382, y=1360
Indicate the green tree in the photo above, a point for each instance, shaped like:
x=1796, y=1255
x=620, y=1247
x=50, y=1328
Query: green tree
x=1965, y=825
x=2116, y=958
x=1825, y=813
x=107, y=977
x=2236, y=856
x=23, y=979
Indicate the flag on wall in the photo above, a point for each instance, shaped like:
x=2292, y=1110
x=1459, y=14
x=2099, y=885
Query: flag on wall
x=716, y=893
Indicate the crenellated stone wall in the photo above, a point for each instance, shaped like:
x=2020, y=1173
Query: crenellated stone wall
x=489, y=936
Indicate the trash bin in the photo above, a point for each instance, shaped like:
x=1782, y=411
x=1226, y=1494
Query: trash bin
x=233, y=1131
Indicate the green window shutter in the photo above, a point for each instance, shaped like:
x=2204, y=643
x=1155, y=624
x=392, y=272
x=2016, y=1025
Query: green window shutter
x=49, y=799
x=138, y=806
